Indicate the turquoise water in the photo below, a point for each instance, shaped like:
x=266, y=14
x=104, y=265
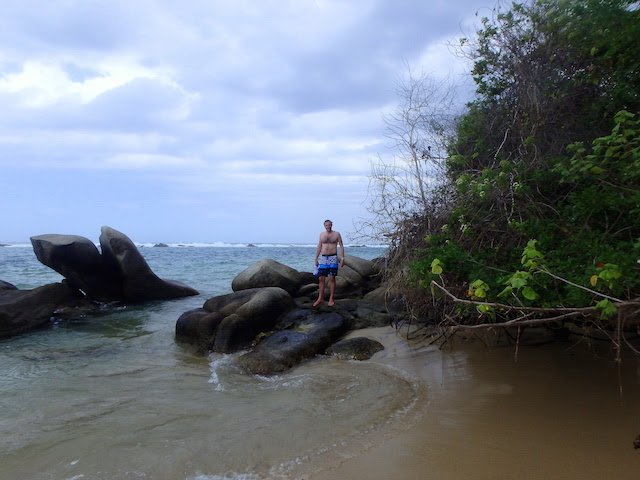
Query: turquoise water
x=208, y=268
x=110, y=395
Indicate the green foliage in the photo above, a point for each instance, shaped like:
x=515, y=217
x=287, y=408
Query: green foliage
x=549, y=150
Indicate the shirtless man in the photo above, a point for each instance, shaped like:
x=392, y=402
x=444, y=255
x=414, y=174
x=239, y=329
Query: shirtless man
x=327, y=251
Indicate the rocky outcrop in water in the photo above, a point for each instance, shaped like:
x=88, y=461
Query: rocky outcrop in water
x=133, y=274
x=356, y=348
x=229, y=323
x=23, y=310
x=272, y=311
x=120, y=273
x=287, y=348
x=79, y=261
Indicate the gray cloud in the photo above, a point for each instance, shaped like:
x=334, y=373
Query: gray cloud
x=206, y=108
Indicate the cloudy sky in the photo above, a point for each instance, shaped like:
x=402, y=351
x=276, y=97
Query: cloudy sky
x=205, y=120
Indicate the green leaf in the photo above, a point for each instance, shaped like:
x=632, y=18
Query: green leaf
x=483, y=308
x=529, y=293
x=607, y=307
x=436, y=268
x=506, y=291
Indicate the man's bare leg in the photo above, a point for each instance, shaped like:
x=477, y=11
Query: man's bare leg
x=332, y=289
x=320, y=291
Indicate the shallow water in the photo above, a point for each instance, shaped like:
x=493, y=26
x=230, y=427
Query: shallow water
x=112, y=396
x=554, y=411
x=122, y=401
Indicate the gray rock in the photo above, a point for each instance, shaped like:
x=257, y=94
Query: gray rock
x=307, y=278
x=378, y=308
x=309, y=289
x=7, y=286
x=267, y=273
x=357, y=348
x=287, y=348
x=366, y=268
x=23, y=310
x=139, y=283
x=79, y=261
x=198, y=327
x=120, y=273
x=382, y=300
x=228, y=323
x=350, y=275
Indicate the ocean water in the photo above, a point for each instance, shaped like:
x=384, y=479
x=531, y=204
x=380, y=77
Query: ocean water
x=110, y=395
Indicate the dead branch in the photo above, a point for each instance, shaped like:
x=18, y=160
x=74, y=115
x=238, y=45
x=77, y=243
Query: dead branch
x=562, y=313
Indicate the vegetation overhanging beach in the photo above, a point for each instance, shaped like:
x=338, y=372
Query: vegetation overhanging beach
x=523, y=210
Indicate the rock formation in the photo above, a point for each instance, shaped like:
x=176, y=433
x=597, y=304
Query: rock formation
x=229, y=323
x=23, y=310
x=357, y=348
x=79, y=261
x=267, y=273
x=286, y=348
x=271, y=309
x=120, y=273
x=135, y=277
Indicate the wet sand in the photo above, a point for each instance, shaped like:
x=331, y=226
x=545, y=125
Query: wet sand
x=557, y=412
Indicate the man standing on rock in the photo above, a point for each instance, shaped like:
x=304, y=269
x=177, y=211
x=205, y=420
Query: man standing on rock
x=327, y=261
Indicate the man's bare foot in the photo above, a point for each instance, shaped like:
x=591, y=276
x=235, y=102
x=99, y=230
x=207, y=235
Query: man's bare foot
x=331, y=302
x=318, y=302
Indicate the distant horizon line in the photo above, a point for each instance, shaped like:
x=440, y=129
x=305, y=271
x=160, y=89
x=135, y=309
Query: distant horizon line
x=213, y=244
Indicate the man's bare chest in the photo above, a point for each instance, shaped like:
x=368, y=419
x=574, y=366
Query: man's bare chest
x=329, y=238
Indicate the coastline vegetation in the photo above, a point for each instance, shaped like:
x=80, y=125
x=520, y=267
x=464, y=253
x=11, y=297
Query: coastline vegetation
x=525, y=208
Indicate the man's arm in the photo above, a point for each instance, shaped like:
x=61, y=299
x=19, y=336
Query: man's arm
x=341, y=243
x=318, y=250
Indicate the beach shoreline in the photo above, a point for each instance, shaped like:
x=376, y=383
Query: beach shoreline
x=554, y=412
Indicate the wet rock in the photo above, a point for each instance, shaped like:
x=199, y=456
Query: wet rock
x=23, y=310
x=198, y=327
x=267, y=273
x=250, y=315
x=357, y=348
x=138, y=281
x=120, y=273
x=287, y=348
x=239, y=318
x=79, y=261
x=378, y=308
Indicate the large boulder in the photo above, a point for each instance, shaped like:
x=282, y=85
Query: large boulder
x=287, y=348
x=138, y=281
x=366, y=268
x=23, y=310
x=353, y=278
x=79, y=261
x=228, y=323
x=379, y=308
x=267, y=273
x=120, y=273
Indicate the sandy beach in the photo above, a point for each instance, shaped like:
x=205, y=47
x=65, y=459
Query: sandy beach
x=555, y=412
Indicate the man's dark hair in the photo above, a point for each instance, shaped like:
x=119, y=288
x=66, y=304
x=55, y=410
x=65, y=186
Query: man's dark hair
x=327, y=221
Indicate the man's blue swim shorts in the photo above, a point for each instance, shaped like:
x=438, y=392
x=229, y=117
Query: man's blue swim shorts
x=327, y=265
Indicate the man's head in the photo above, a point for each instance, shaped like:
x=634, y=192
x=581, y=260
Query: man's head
x=328, y=224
